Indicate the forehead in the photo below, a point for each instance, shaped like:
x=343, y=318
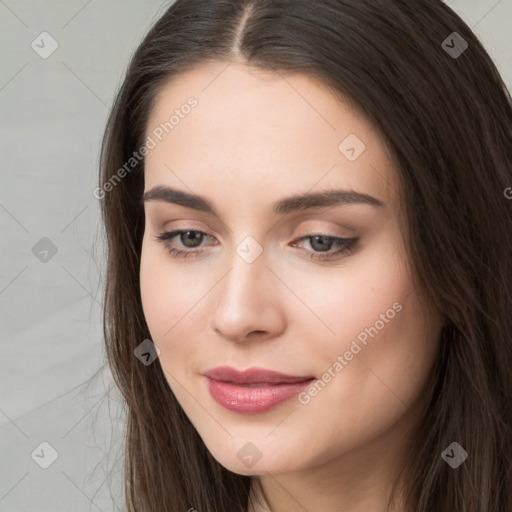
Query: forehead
x=263, y=131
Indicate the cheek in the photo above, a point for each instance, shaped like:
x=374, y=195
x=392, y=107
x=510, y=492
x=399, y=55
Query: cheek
x=156, y=296
x=380, y=339
x=173, y=298
x=360, y=300
x=380, y=363
x=364, y=389
x=168, y=292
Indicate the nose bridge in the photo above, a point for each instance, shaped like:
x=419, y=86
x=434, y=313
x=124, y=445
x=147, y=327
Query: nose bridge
x=245, y=299
x=245, y=282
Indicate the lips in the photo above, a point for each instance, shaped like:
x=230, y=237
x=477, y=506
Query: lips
x=252, y=376
x=254, y=390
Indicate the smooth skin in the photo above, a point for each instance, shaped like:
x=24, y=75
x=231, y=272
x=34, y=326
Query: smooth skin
x=255, y=138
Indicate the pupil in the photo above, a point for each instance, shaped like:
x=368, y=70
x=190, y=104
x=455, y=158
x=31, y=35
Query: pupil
x=191, y=236
x=324, y=243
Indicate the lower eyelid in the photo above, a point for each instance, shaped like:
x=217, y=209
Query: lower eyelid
x=343, y=243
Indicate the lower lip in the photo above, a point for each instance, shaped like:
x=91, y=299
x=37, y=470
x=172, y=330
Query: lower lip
x=256, y=399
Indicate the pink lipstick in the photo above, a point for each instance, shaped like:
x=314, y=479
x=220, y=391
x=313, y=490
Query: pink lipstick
x=254, y=390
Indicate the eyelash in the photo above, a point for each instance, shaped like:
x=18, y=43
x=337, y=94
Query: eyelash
x=347, y=248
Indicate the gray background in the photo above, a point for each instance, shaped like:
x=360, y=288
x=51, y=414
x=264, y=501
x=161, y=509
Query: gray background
x=54, y=386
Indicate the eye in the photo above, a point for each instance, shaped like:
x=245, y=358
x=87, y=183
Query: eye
x=189, y=238
x=322, y=245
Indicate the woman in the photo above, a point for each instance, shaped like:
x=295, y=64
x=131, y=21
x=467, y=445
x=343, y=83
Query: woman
x=308, y=284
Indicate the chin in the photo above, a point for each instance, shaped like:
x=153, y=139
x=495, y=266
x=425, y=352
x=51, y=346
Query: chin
x=242, y=464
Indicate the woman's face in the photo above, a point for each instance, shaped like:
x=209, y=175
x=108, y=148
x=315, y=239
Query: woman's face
x=273, y=276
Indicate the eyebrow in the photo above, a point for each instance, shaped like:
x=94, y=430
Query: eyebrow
x=281, y=207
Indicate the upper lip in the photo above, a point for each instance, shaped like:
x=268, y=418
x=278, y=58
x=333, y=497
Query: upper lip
x=252, y=375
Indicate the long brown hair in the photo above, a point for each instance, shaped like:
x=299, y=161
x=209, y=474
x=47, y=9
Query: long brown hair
x=447, y=120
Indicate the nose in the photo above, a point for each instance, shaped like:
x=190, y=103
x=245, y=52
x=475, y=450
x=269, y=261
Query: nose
x=247, y=304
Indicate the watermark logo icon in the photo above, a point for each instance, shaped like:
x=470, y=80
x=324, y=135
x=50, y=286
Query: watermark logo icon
x=454, y=45
x=249, y=249
x=249, y=454
x=352, y=147
x=44, y=250
x=44, y=455
x=147, y=352
x=44, y=45
x=454, y=455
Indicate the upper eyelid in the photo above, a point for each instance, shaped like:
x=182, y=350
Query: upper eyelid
x=348, y=244
x=178, y=232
